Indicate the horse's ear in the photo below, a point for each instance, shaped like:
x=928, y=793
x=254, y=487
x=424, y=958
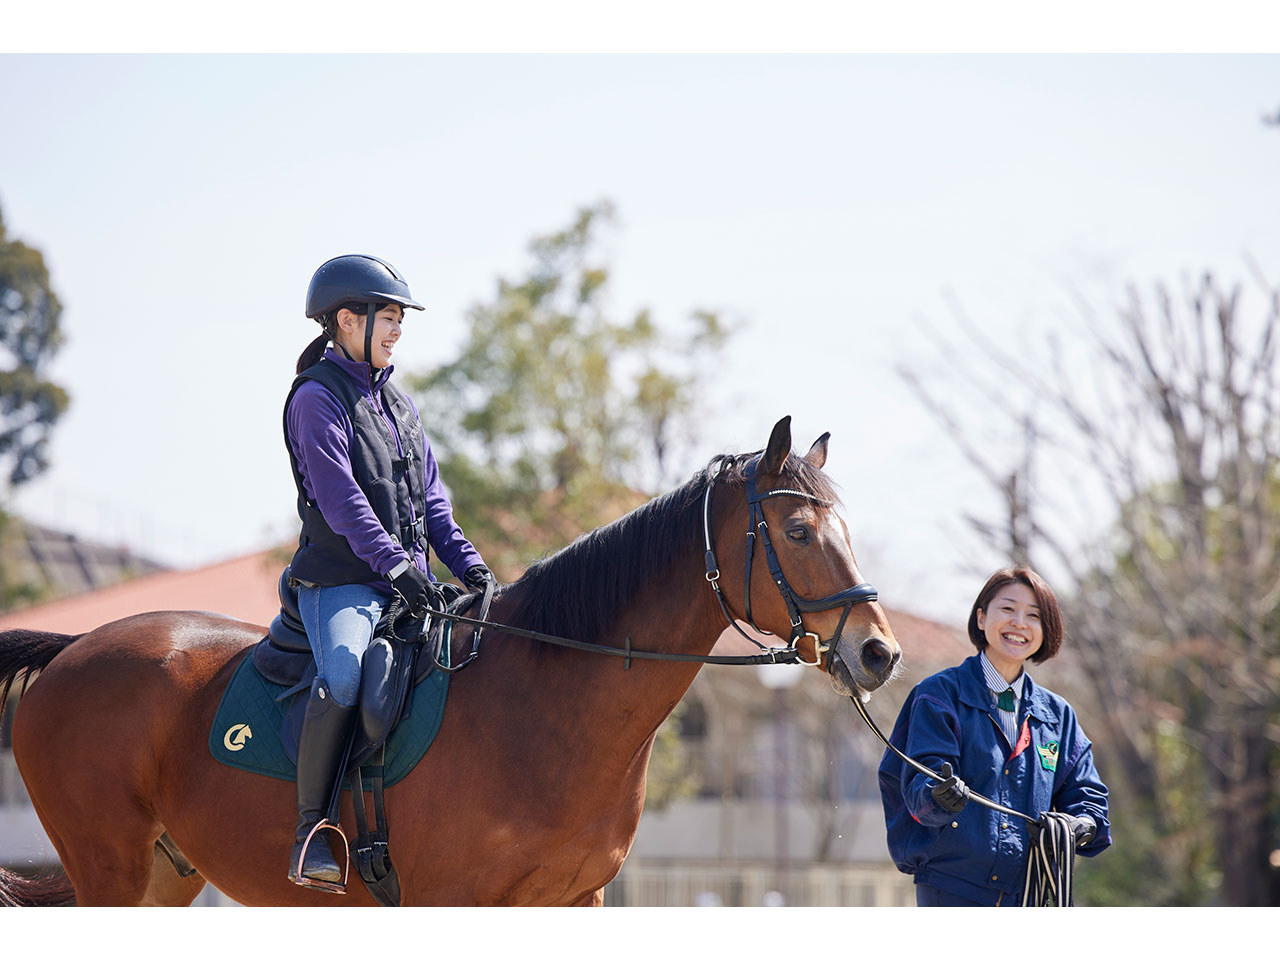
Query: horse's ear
x=775, y=455
x=817, y=455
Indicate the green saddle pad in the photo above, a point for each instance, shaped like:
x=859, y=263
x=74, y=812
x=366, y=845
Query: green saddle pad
x=246, y=729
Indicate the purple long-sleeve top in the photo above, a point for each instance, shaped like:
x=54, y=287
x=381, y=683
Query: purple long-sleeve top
x=320, y=435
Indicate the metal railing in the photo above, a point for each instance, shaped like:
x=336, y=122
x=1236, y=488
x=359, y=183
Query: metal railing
x=689, y=884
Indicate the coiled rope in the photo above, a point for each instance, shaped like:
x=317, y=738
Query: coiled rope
x=1051, y=864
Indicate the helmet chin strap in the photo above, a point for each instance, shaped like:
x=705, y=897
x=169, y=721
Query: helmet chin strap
x=368, y=339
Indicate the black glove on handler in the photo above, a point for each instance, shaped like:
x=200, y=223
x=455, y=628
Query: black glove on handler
x=476, y=577
x=1082, y=829
x=420, y=593
x=951, y=794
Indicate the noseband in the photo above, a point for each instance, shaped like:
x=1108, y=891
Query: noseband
x=758, y=528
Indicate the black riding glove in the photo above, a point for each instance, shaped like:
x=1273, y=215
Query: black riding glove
x=951, y=794
x=477, y=577
x=1083, y=829
x=420, y=593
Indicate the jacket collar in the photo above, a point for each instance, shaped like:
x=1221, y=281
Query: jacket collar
x=358, y=370
x=974, y=692
x=997, y=683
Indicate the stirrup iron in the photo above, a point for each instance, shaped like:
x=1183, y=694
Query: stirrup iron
x=327, y=885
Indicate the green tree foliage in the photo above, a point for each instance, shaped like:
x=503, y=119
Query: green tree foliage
x=30, y=334
x=557, y=416
x=30, y=405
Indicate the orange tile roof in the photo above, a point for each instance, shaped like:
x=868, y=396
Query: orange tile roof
x=927, y=646
x=244, y=588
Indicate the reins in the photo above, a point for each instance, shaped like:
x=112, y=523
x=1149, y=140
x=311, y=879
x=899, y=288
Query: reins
x=627, y=652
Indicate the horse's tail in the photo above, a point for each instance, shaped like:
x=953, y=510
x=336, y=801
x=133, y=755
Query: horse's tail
x=51, y=888
x=25, y=653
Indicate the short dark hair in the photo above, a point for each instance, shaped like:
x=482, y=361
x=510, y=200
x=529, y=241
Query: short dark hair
x=1050, y=614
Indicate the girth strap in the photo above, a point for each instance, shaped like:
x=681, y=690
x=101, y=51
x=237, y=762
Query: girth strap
x=370, y=848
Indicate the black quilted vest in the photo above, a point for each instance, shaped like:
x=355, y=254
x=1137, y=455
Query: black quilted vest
x=392, y=481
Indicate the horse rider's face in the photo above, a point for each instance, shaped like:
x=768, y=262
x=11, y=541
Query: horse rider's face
x=1011, y=624
x=386, y=331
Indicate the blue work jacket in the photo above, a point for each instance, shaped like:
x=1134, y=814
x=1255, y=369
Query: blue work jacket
x=980, y=854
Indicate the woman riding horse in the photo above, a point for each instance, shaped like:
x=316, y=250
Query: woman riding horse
x=371, y=503
x=531, y=792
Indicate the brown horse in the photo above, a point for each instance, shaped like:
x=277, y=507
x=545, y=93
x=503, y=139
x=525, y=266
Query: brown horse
x=533, y=788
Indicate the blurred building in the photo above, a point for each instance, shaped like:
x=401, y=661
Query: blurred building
x=42, y=564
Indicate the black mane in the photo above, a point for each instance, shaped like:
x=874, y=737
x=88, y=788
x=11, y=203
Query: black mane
x=580, y=590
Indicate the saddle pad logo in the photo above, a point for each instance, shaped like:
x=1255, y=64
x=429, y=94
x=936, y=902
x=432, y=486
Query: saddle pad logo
x=235, y=737
x=1049, y=755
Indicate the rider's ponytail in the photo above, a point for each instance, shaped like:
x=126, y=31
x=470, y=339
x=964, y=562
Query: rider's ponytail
x=315, y=350
x=329, y=323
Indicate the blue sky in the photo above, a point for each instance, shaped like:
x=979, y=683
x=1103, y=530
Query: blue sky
x=826, y=203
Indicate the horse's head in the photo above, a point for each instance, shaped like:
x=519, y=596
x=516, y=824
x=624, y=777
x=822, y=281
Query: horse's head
x=804, y=581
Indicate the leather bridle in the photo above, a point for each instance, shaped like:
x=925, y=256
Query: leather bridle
x=758, y=528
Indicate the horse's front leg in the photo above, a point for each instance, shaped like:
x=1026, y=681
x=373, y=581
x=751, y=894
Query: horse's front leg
x=594, y=899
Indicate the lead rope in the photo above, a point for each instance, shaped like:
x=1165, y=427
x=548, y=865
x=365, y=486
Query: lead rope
x=1051, y=860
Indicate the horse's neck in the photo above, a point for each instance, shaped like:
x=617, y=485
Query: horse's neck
x=674, y=614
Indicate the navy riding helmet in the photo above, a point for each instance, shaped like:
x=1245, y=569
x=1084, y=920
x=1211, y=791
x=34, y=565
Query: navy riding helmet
x=356, y=277
x=360, y=278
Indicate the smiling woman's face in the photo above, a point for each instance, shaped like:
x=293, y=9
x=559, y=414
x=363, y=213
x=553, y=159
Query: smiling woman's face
x=386, y=331
x=1011, y=624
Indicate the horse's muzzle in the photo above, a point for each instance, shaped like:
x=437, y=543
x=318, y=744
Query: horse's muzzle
x=860, y=666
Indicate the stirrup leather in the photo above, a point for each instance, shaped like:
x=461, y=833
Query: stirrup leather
x=327, y=885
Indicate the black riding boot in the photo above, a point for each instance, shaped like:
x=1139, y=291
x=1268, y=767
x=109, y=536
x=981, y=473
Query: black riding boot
x=320, y=749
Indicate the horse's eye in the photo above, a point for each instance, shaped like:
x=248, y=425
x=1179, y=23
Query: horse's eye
x=798, y=534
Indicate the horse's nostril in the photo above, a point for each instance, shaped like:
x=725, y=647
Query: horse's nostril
x=876, y=657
